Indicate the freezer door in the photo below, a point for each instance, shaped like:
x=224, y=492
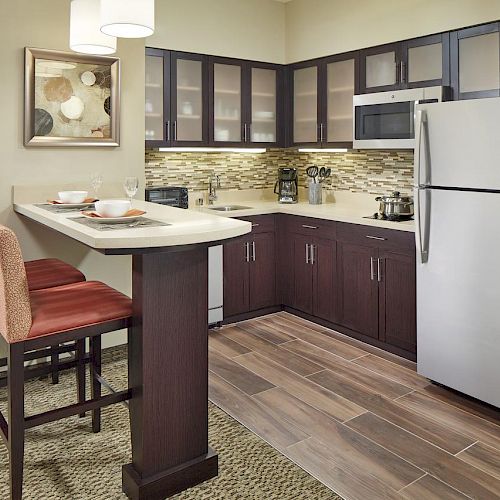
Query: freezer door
x=458, y=294
x=460, y=144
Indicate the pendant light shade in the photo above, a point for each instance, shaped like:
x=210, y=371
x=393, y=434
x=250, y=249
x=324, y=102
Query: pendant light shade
x=85, y=33
x=128, y=18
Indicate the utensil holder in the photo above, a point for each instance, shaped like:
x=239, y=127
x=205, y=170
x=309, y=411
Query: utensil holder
x=315, y=193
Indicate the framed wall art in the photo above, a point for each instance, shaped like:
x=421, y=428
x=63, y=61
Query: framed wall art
x=71, y=99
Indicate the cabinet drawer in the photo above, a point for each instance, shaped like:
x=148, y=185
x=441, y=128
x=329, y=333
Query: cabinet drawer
x=261, y=223
x=390, y=239
x=311, y=227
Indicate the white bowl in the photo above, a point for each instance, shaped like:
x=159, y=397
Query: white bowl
x=112, y=208
x=72, y=196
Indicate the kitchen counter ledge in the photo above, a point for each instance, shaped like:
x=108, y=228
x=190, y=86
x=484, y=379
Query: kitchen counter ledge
x=351, y=214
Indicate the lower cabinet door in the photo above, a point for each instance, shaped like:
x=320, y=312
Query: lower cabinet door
x=303, y=272
x=325, y=280
x=262, y=271
x=236, y=296
x=358, y=288
x=397, y=290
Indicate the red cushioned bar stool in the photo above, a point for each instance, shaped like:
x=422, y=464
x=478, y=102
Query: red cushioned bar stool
x=38, y=320
x=47, y=273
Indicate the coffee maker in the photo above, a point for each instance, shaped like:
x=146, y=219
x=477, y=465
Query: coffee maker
x=286, y=186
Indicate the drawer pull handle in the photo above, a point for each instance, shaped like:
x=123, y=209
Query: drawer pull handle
x=376, y=238
x=254, y=224
x=309, y=227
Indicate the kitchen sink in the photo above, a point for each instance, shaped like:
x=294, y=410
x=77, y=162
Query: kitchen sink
x=229, y=208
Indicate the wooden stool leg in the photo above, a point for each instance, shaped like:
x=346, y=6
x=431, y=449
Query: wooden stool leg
x=16, y=418
x=95, y=369
x=80, y=371
x=54, y=364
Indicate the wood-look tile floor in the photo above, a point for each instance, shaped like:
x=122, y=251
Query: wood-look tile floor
x=360, y=420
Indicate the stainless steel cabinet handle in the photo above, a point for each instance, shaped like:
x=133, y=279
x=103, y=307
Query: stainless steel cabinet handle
x=312, y=254
x=247, y=251
x=168, y=130
x=376, y=238
x=307, y=253
x=372, y=269
x=320, y=132
x=253, y=251
x=402, y=77
x=244, y=132
x=255, y=224
x=379, y=274
x=175, y=130
x=309, y=227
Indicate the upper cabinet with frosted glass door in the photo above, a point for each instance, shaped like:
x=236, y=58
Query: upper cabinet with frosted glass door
x=245, y=103
x=157, y=104
x=420, y=62
x=322, y=92
x=475, y=55
x=265, y=103
x=189, y=99
x=176, y=106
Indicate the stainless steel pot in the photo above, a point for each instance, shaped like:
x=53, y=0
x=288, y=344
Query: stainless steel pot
x=395, y=206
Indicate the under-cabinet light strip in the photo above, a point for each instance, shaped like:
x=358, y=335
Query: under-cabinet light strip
x=214, y=150
x=322, y=150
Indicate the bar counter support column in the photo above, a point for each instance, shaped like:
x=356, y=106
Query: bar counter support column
x=168, y=374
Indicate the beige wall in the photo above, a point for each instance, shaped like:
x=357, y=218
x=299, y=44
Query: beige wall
x=45, y=24
x=317, y=28
x=246, y=29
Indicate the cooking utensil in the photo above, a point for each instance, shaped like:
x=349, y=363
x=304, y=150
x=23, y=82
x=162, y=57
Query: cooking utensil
x=395, y=206
x=312, y=172
x=324, y=173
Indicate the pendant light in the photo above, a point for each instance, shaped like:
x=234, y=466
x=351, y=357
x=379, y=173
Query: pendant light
x=128, y=18
x=85, y=33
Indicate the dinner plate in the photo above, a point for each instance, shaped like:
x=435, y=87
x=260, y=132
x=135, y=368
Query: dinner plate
x=71, y=205
x=113, y=220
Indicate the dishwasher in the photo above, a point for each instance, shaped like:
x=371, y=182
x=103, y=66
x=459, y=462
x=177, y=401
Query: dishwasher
x=178, y=197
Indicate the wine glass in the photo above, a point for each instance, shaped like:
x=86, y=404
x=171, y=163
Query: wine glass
x=96, y=182
x=131, y=185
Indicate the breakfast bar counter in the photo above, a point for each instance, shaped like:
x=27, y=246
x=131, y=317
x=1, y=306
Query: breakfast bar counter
x=167, y=342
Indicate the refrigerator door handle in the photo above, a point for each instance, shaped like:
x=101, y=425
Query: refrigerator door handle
x=421, y=119
x=421, y=225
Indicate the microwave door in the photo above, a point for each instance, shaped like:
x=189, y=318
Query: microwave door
x=387, y=125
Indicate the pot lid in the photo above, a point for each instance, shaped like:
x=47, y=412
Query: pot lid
x=395, y=197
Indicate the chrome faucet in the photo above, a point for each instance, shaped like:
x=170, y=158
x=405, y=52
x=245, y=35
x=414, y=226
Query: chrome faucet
x=213, y=185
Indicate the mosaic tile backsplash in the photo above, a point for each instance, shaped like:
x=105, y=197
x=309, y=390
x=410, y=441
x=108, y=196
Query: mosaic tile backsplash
x=367, y=171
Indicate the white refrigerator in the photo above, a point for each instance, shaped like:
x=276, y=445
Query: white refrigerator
x=457, y=215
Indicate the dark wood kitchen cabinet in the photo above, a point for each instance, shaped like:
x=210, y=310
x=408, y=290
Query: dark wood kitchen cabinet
x=420, y=62
x=313, y=267
x=250, y=269
x=321, y=101
x=176, y=107
x=246, y=103
x=476, y=61
x=377, y=284
x=397, y=299
x=358, y=291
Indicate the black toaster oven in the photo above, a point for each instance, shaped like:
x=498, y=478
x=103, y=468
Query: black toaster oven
x=171, y=196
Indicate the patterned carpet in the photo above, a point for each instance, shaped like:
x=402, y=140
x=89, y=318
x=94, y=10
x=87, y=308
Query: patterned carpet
x=65, y=461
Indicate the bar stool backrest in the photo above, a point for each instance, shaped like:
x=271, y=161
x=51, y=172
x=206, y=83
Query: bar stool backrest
x=15, y=309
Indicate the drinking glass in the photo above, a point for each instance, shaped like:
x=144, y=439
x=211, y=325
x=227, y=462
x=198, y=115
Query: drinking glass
x=131, y=185
x=96, y=182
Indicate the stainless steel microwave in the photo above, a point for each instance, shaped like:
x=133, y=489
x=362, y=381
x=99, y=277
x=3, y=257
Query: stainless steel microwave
x=386, y=120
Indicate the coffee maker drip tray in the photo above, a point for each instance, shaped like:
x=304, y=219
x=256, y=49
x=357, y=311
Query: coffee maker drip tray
x=287, y=199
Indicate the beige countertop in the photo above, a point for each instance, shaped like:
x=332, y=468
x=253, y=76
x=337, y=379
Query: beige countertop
x=186, y=227
x=340, y=212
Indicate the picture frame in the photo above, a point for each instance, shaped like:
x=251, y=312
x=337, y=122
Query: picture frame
x=71, y=99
